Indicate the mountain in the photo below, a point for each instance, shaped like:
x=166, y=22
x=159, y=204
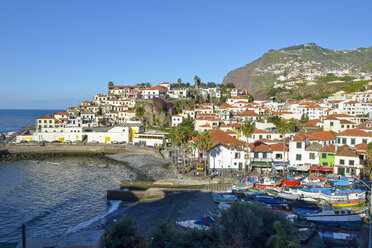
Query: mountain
x=302, y=61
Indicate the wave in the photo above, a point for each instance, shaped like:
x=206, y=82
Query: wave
x=114, y=206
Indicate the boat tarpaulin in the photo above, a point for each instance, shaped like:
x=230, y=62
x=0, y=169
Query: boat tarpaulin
x=314, y=168
x=326, y=169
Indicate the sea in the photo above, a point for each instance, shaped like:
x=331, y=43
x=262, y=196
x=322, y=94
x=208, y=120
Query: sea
x=52, y=199
x=12, y=120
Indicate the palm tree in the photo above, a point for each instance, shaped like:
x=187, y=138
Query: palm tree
x=110, y=83
x=179, y=82
x=248, y=129
x=140, y=112
x=197, y=82
x=205, y=144
x=283, y=128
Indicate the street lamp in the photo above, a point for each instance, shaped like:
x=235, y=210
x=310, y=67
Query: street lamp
x=370, y=213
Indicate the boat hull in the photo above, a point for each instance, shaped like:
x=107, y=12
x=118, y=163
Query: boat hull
x=349, y=205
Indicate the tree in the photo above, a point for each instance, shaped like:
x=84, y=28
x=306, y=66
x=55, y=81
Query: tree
x=282, y=239
x=140, y=112
x=110, y=84
x=184, y=132
x=283, y=128
x=179, y=82
x=204, y=144
x=102, y=121
x=304, y=118
x=230, y=85
x=275, y=120
x=368, y=161
x=248, y=129
x=124, y=234
x=250, y=98
x=211, y=85
x=197, y=82
x=148, y=85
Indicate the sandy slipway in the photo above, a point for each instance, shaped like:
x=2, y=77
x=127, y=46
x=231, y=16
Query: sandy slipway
x=153, y=167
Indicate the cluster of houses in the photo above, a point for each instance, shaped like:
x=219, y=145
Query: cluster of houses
x=332, y=136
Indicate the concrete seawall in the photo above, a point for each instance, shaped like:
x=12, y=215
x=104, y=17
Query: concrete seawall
x=78, y=148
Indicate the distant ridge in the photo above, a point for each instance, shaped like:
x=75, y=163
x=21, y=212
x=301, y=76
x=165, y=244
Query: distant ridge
x=294, y=61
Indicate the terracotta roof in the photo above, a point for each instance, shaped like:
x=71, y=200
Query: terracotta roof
x=365, y=125
x=326, y=135
x=165, y=83
x=61, y=113
x=247, y=113
x=220, y=136
x=346, y=153
x=46, y=117
x=230, y=132
x=300, y=137
x=354, y=132
x=346, y=122
x=339, y=115
x=205, y=125
x=361, y=147
x=279, y=147
x=351, y=102
x=157, y=88
x=315, y=146
x=258, y=146
x=259, y=131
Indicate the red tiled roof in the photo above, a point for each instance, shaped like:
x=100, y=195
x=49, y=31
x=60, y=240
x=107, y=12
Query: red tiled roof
x=46, y=117
x=220, y=136
x=329, y=148
x=361, y=147
x=300, y=137
x=259, y=131
x=326, y=135
x=258, y=146
x=230, y=132
x=346, y=153
x=279, y=147
x=354, y=132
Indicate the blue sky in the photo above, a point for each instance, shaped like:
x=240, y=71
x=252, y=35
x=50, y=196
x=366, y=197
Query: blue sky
x=54, y=54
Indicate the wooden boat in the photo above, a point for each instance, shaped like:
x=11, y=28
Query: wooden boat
x=242, y=186
x=304, y=234
x=199, y=224
x=346, y=205
x=272, y=192
x=291, y=182
x=339, y=239
x=288, y=195
x=269, y=199
x=330, y=216
x=305, y=210
x=253, y=190
x=311, y=192
x=224, y=198
x=266, y=183
x=335, y=196
x=303, y=204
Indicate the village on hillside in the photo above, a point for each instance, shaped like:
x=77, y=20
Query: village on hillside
x=327, y=137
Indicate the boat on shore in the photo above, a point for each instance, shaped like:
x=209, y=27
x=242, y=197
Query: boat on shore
x=227, y=198
x=336, y=239
x=342, y=218
x=346, y=205
x=199, y=224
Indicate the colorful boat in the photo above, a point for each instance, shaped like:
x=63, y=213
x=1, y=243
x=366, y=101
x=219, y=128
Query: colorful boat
x=224, y=198
x=304, y=234
x=272, y=192
x=269, y=199
x=199, y=224
x=332, y=217
x=311, y=192
x=346, y=205
x=335, y=196
x=339, y=239
x=291, y=182
x=288, y=195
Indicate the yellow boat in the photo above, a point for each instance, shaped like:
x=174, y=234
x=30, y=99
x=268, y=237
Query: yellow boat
x=349, y=204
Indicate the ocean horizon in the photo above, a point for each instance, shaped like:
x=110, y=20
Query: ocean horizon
x=12, y=120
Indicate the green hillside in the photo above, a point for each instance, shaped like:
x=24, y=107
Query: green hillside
x=297, y=61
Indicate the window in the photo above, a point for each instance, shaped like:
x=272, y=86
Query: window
x=342, y=126
x=312, y=155
x=278, y=156
x=325, y=164
x=39, y=121
x=237, y=155
x=338, y=140
x=342, y=162
x=256, y=155
x=50, y=121
x=298, y=145
x=260, y=136
x=344, y=141
x=324, y=155
x=347, y=170
x=351, y=162
x=298, y=157
x=348, y=126
x=364, y=141
x=331, y=123
x=264, y=155
x=353, y=141
x=45, y=121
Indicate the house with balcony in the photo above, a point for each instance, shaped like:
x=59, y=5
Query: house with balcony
x=260, y=155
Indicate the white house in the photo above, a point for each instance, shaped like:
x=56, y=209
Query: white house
x=347, y=163
x=115, y=134
x=297, y=152
x=155, y=91
x=227, y=157
x=351, y=137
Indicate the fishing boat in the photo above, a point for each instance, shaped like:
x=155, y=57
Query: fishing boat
x=304, y=234
x=311, y=192
x=272, y=192
x=269, y=199
x=303, y=204
x=248, y=202
x=224, y=198
x=335, y=195
x=305, y=210
x=199, y=224
x=266, y=183
x=339, y=239
x=288, y=195
x=291, y=182
x=242, y=186
x=346, y=205
x=332, y=217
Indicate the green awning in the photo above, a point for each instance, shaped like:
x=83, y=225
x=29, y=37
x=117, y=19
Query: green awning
x=262, y=164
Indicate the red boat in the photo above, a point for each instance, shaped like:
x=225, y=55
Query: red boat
x=291, y=182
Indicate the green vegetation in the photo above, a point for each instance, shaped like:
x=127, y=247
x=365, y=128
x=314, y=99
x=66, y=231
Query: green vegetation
x=240, y=226
x=367, y=68
x=230, y=85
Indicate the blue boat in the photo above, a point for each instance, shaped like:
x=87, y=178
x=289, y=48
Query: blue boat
x=224, y=198
x=342, y=218
x=305, y=210
x=248, y=202
x=339, y=239
x=270, y=199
